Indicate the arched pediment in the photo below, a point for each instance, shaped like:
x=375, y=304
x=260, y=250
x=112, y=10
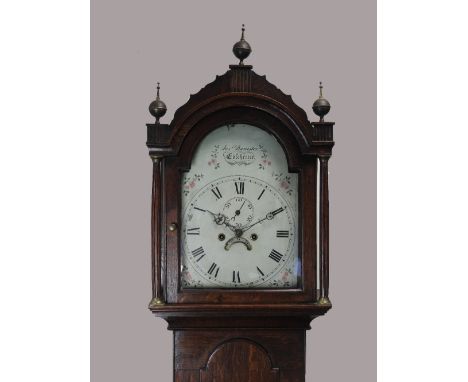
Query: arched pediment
x=242, y=81
x=240, y=88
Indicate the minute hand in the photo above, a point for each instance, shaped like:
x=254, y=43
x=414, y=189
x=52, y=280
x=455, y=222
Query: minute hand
x=269, y=216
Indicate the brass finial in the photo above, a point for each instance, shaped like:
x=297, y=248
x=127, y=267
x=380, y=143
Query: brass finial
x=157, y=108
x=321, y=106
x=241, y=49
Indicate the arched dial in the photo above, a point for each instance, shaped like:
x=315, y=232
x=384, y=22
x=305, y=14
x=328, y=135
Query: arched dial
x=238, y=231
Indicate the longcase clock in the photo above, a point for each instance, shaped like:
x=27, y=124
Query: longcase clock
x=239, y=227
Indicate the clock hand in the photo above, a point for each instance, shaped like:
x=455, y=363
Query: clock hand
x=221, y=219
x=238, y=211
x=217, y=217
x=258, y=221
x=230, y=226
x=269, y=216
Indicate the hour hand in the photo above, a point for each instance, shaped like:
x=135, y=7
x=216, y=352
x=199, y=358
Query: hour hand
x=229, y=225
x=221, y=219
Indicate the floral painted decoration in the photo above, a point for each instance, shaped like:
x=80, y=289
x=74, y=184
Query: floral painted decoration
x=214, y=158
x=264, y=160
x=284, y=182
x=191, y=182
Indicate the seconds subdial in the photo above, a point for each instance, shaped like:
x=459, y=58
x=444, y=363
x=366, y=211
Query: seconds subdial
x=239, y=211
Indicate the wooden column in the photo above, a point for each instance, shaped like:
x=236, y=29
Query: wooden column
x=324, y=237
x=157, y=298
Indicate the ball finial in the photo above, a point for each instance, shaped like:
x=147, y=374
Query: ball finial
x=157, y=108
x=321, y=106
x=242, y=49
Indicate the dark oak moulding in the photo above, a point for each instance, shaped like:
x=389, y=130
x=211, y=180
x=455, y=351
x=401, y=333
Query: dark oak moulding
x=239, y=335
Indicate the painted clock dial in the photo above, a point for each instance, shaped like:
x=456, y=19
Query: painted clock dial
x=239, y=222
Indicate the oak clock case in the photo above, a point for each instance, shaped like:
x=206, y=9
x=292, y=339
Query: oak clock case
x=239, y=227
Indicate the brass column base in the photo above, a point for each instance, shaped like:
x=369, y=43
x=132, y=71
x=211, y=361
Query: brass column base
x=324, y=301
x=155, y=302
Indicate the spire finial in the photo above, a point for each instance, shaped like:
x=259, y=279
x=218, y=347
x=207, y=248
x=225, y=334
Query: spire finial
x=157, y=108
x=321, y=106
x=241, y=49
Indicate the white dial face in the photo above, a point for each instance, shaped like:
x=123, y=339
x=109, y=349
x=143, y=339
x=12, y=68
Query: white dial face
x=239, y=222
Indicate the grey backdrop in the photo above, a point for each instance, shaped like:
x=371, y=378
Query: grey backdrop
x=184, y=45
